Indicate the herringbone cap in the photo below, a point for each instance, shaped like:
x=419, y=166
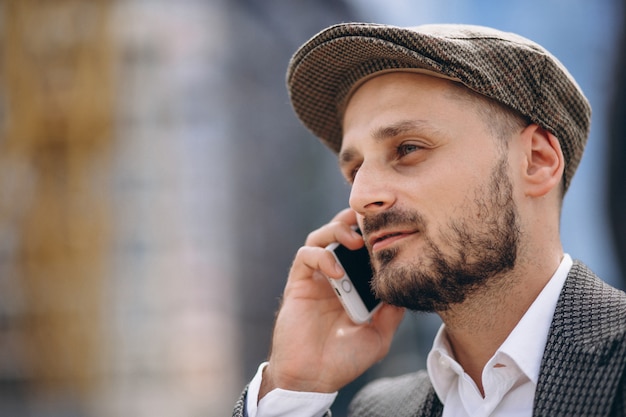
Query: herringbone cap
x=503, y=66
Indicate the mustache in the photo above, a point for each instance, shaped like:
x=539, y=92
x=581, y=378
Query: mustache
x=392, y=218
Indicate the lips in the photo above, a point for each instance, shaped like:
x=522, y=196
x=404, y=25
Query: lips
x=384, y=239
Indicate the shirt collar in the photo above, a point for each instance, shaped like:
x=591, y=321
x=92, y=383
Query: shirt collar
x=527, y=341
x=524, y=345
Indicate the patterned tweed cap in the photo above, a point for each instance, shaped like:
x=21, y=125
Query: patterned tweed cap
x=506, y=67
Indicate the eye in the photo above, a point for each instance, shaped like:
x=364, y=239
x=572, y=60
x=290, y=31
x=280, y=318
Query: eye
x=407, y=148
x=352, y=174
x=349, y=172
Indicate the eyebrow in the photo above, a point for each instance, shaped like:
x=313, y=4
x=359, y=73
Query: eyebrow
x=391, y=131
x=399, y=128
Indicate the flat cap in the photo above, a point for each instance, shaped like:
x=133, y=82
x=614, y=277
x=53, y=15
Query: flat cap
x=503, y=66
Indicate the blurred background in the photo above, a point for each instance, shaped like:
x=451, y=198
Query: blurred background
x=155, y=186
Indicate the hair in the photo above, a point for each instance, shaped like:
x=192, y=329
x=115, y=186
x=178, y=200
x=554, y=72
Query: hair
x=502, y=120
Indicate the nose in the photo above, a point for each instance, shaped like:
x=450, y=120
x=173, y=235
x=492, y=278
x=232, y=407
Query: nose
x=372, y=190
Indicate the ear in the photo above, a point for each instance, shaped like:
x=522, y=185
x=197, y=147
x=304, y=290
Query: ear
x=544, y=161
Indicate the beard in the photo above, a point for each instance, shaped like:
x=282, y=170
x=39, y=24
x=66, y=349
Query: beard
x=480, y=246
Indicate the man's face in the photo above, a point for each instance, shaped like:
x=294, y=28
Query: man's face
x=431, y=187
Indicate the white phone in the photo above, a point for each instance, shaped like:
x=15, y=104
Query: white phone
x=354, y=289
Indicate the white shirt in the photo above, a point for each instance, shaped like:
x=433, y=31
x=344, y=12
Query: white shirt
x=509, y=378
x=284, y=403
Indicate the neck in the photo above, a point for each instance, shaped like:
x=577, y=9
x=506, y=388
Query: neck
x=477, y=327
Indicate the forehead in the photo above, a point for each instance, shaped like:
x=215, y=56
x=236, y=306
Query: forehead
x=415, y=78
x=405, y=84
x=398, y=106
x=400, y=96
x=342, y=103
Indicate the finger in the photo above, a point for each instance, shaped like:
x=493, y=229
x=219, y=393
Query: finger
x=338, y=230
x=335, y=232
x=310, y=259
x=346, y=215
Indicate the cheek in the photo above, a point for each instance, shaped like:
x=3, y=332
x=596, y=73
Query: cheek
x=447, y=184
x=450, y=197
x=446, y=188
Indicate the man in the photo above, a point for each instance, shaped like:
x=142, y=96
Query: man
x=459, y=143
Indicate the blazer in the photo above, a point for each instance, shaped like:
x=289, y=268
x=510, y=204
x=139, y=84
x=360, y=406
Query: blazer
x=583, y=370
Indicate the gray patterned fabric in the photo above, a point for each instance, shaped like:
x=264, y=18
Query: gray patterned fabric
x=406, y=395
x=503, y=66
x=583, y=367
x=583, y=371
x=240, y=404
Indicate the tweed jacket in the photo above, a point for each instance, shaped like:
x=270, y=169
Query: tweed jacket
x=583, y=370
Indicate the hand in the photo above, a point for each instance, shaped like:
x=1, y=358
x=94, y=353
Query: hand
x=315, y=346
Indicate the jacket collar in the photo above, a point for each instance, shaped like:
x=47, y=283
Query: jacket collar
x=585, y=354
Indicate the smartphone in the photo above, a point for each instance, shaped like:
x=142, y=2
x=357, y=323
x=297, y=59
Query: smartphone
x=353, y=289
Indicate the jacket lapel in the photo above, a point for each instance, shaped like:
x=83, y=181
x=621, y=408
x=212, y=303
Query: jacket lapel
x=431, y=407
x=586, y=350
